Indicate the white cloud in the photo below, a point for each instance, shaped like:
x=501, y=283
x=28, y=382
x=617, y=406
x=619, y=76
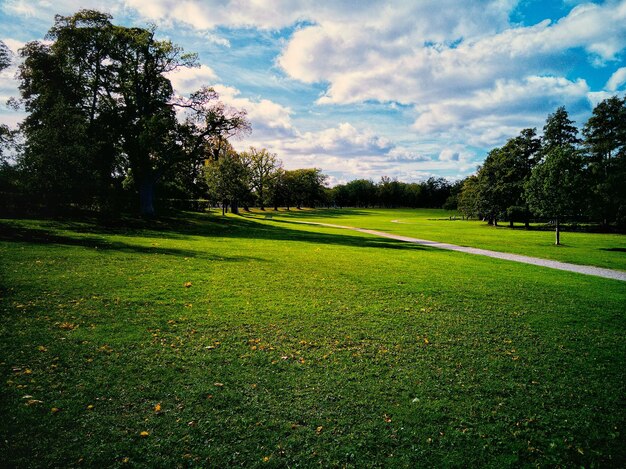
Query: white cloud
x=362, y=62
x=617, y=79
x=488, y=116
x=466, y=76
x=187, y=80
x=269, y=119
x=45, y=9
x=342, y=141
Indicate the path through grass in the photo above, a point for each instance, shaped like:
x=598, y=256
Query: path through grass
x=601, y=250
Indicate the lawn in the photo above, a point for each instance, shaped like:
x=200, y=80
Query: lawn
x=210, y=341
x=601, y=250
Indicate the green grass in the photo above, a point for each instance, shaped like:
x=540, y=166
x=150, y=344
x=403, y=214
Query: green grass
x=298, y=346
x=602, y=250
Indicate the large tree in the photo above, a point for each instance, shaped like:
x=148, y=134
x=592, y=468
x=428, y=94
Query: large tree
x=605, y=144
x=556, y=185
x=111, y=82
x=559, y=130
x=263, y=170
x=228, y=179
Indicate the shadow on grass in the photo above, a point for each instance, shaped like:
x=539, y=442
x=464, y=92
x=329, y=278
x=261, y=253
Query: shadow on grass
x=613, y=249
x=184, y=227
x=313, y=213
x=38, y=236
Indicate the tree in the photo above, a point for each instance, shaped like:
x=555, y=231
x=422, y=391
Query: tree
x=280, y=189
x=263, y=170
x=111, y=83
x=605, y=143
x=57, y=161
x=228, y=179
x=435, y=191
x=559, y=131
x=556, y=185
x=490, y=202
x=307, y=186
x=389, y=192
x=5, y=56
x=452, y=202
x=468, y=198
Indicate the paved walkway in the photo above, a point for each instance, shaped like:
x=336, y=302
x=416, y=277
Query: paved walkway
x=581, y=269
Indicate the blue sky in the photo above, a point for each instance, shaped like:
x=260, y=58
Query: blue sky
x=364, y=89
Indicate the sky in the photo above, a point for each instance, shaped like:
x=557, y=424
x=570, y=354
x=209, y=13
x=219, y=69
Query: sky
x=362, y=89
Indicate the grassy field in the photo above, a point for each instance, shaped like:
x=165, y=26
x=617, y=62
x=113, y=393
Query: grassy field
x=602, y=250
x=209, y=341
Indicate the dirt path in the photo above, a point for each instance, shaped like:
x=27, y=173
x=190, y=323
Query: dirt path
x=581, y=269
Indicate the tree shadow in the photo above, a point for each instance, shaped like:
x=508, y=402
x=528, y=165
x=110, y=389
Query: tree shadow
x=613, y=249
x=185, y=227
x=313, y=213
x=39, y=236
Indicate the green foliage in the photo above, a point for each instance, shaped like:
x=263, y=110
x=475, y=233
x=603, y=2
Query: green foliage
x=433, y=192
x=605, y=144
x=228, y=179
x=559, y=131
x=264, y=168
x=299, y=346
x=556, y=186
x=110, y=81
x=5, y=56
x=468, y=199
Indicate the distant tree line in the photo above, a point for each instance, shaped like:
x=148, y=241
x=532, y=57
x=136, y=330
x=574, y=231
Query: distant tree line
x=558, y=176
x=391, y=193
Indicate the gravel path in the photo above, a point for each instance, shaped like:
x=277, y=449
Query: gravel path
x=581, y=269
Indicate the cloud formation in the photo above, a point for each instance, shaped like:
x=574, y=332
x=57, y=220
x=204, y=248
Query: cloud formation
x=461, y=77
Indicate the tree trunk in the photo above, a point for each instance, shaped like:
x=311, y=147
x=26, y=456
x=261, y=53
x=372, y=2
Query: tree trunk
x=146, y=197
x=510, y=223
x=558, y=232
x=495, y=222
x=527, y=218
x=234, y=208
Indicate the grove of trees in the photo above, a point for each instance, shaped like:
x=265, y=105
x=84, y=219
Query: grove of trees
x=558, y=176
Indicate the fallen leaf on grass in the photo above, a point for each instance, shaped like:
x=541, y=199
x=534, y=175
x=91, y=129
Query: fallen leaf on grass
x=319, y=429
x=187, y=284
x=55, y=410
x=157, y=408
x=219, y=385
x=67, y=326
x=41, y=348
x=144, y=434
